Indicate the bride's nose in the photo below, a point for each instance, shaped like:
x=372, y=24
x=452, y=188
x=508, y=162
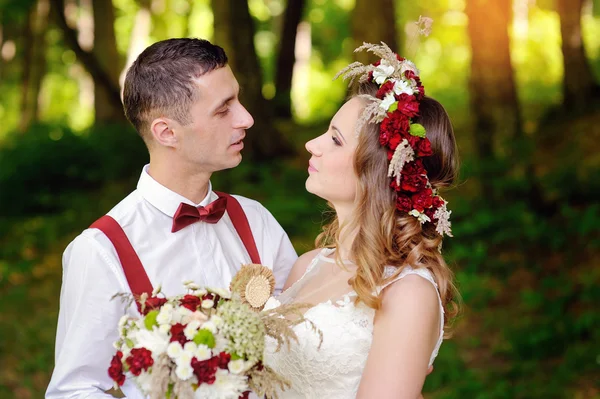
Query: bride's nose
x=311, y=146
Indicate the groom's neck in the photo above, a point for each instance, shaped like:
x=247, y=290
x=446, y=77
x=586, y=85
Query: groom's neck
x=185, y=180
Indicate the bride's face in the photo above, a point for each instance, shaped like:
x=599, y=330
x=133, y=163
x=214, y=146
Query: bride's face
x=331, y=172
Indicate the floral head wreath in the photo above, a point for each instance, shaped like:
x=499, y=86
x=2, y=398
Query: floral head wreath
x=395, y=106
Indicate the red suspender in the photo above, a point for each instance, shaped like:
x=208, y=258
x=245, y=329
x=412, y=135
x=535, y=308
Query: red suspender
x=132, y=266
x=241, y=225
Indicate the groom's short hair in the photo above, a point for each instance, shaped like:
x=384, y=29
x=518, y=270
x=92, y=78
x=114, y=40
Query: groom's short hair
x=161, y=80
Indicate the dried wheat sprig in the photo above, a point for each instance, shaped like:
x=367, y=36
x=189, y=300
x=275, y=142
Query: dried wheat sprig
x=279, y=323
x=382, y=51
x=266, y=382
x=161, y=371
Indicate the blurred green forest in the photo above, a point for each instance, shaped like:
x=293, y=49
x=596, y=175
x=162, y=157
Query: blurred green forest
x=520, y=80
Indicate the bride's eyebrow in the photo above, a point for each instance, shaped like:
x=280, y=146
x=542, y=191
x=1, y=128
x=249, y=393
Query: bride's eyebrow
x=338, y=132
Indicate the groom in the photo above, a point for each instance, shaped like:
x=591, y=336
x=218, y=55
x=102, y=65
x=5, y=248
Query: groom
x=182, y=98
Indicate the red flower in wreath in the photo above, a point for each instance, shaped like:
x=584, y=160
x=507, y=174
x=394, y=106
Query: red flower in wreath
x=423, y=147
x=413, y=183
x=422, y=200
x=408, y=105
x=403, y=203
x=385, y=89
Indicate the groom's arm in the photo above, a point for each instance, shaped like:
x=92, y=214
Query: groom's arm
x=87, y=321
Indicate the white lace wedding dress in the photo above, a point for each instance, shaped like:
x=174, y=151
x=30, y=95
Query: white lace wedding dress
x=333, y=371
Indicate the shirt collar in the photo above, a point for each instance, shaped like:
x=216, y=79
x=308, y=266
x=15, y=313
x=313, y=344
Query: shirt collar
x=162, y=198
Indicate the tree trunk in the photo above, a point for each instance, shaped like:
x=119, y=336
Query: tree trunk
x=34, y=63
x=579, y=86
x=286, y=58
x=105, y=51
x=88, y=59
x=492, y=88
x=364, y=30
x=492, y=85
x=234, y=31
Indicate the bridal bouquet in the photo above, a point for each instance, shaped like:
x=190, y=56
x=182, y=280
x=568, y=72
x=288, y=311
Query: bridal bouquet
x=207, y=343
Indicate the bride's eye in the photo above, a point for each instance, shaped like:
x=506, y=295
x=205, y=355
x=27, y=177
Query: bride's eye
x=336, y=141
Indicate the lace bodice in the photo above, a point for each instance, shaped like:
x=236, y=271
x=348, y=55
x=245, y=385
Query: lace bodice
x=334, y=370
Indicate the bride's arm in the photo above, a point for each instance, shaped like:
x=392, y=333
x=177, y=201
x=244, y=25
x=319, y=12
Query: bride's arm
x=405, y=333
x=299, y=267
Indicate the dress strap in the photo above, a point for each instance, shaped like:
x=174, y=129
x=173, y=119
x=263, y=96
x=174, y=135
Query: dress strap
x=135, y=274
x=241, y=225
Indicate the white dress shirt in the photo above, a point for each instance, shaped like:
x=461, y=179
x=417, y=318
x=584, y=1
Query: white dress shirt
x=208, y=254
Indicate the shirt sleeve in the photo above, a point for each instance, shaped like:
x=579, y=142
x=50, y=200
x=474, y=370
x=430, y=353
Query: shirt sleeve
x=284, y=253
x=87, y=320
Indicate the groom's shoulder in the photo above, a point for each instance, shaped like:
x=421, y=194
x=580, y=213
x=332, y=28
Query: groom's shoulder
x=250, y=205
x=123, y=213
x=256, y=212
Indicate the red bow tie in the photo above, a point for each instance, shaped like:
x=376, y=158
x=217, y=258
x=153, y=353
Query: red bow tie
x=187, y=214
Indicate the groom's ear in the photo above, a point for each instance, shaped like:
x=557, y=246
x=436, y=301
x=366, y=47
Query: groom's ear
x=162, y=130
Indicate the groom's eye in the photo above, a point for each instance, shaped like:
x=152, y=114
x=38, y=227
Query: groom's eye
x=223, y=112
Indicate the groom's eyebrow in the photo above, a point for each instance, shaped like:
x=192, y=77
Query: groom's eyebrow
x=338, y=132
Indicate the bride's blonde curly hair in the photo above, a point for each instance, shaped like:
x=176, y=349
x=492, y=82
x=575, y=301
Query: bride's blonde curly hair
x=385, y=237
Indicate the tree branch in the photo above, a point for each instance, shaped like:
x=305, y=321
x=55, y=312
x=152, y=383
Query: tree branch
x=88, y=59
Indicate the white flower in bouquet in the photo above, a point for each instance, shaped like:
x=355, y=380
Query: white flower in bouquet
x=208, y=343
x=165, y=314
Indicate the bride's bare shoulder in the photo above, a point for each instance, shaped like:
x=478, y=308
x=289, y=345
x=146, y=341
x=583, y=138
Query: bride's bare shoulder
x=300, y=266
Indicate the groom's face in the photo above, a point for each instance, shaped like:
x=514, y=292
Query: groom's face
x=214, y=139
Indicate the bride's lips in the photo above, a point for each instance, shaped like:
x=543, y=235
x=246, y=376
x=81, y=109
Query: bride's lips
x=311, y=168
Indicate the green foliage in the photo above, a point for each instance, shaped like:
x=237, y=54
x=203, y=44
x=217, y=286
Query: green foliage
x=48, y=163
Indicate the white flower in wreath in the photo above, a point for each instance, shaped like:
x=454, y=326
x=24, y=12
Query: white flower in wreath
x=387, y=101
x=403, y=86
x=383, y=71
x=423, y=218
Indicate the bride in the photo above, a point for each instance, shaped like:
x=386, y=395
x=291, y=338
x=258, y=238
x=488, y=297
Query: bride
x=381, y=290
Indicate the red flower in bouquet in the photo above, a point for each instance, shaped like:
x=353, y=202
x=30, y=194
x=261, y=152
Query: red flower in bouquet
x=115, y=371
x=191, y=302
x=223, y=360
x=152, y=303
x=205, y=370
x=177, y=334
x=139, y=360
